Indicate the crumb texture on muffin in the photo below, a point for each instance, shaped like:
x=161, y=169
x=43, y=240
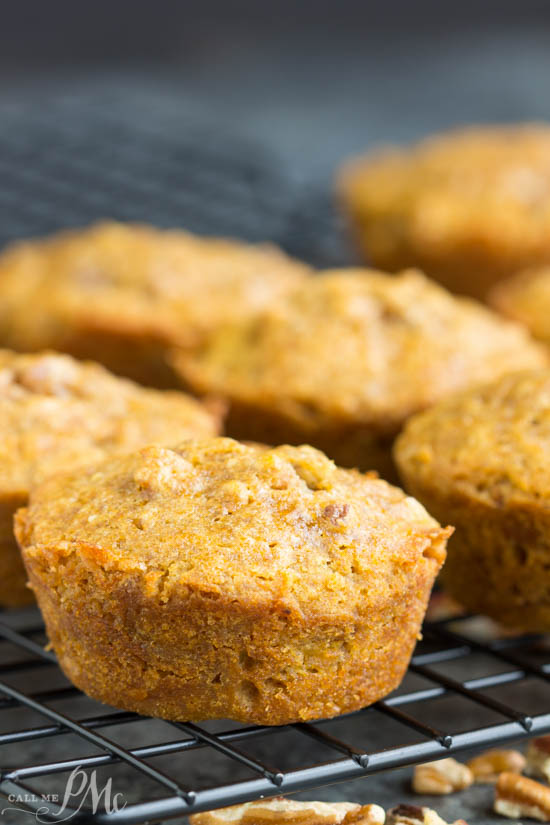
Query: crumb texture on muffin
x=481, y=460
x=344, y=361
x=57, y=413
x=118, y=293
x=218, y=580
x=468, y=207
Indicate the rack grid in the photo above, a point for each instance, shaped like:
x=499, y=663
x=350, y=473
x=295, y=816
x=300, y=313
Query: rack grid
x=444, y=642
x=65, y=163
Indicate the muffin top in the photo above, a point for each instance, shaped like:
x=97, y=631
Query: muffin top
x=486, y=183
x=167, y=283
x=56, y=413
x=358, y=346
x=491, y=443
x=526, y=298
x=282, y=528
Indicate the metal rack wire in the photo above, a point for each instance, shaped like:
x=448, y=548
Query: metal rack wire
x=71, y=162
x=444, y=643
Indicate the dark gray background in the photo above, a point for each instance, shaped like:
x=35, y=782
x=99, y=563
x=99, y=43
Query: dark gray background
x=308, y=82
x=316, y=80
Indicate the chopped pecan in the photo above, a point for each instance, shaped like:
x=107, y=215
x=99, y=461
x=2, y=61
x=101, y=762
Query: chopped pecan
x=442, y=777
x=336, y=511
x=516, y=797
x=488, y=766
x=538, y=757
x=366, y=815
x=415, y=815
x=282, y=811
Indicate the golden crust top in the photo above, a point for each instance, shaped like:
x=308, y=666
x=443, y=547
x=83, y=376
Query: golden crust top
x=489, y=185
x=56, y=413
x=118, y=276
x=359, y=346
x=490, y=444
x=526, y=298
x=282, y=528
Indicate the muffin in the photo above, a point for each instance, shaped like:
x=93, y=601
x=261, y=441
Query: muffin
x=56, y=413
x=469, y=207
x=481, y=459
x=118, y=293
x=345, y=359
x=526, y=298
x=220, y=580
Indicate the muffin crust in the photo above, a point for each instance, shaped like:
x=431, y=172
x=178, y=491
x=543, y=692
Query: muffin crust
x=119, y=293
x=469, y=207
x=526, y=298
x=56, y=413
x=481, y=460
x=343, y=361
x=220, y=580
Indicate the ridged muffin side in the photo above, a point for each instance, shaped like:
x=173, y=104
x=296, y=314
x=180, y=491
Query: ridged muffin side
x=57, y=413
x=482, y=460
x=220, y=580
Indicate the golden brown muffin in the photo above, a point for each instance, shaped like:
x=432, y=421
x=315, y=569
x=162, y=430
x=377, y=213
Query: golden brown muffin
x=526, y=298
x=347, y=358
x=482, y=460
x=56, y=413
x=119, y=293
x=469, y=207
x=219, y=580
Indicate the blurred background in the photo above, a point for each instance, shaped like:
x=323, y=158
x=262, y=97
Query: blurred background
x=119, y=108
x=313, y=80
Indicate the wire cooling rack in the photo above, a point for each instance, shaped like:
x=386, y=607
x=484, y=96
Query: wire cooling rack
x=324, y=754
x=69, y=162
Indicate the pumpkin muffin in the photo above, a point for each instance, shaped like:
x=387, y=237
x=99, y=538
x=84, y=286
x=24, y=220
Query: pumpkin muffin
x=220, y=580
x=526, y=298
x=344, y=360
x=119, y=293
x=56, y=413
x=482, y=460
x=469, y=207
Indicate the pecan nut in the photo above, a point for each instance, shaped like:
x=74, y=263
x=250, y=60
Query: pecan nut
x=415, y=815
x=538, y=757
x=282, y=811
x=442, y=777
x=366, y=815
x=487, y=767
x=516, y=797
